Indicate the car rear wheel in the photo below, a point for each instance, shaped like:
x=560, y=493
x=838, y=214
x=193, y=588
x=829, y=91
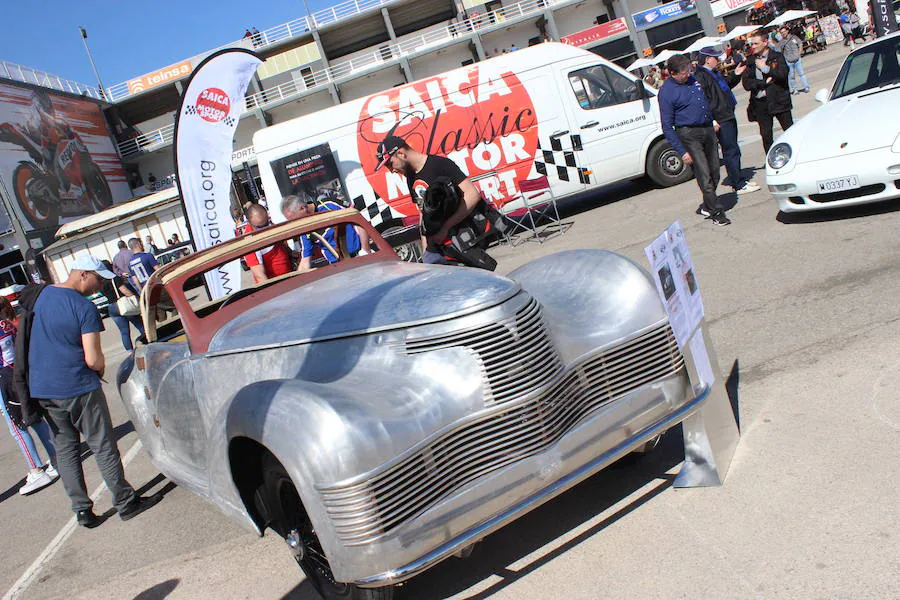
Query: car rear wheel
x=665, y=166
x=288, y=519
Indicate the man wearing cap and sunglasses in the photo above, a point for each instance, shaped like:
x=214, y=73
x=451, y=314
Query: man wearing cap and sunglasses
x=717, y=89
x=421, y=171
x=65, y=365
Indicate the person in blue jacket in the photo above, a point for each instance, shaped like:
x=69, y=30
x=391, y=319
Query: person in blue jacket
x=687, y=123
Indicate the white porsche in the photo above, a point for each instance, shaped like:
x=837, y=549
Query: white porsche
x=848, y=150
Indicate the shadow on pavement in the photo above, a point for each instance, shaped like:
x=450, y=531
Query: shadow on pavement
x=731, y=388
x=303, y=591
x=12, y=491
x=153, y=483
x=553, y=520
x=159, y=591
x=839, y=214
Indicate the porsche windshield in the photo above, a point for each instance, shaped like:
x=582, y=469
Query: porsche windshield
x=875, y=66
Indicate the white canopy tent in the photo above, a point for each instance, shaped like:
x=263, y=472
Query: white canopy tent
x=664, y=56
x=790, y=15
x=703, y=43
x=641, y=62
x=739, y=31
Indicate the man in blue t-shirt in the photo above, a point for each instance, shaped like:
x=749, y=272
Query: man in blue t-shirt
x=66, y=364
x=298, y=207
x=141, y=265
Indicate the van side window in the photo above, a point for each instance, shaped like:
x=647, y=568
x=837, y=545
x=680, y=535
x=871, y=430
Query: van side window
x=600, y=86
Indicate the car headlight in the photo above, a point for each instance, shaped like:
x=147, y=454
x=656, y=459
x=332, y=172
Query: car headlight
x=779, y=155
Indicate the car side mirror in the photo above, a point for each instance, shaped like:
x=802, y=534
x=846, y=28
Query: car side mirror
x=822, y=96
x=640, y=90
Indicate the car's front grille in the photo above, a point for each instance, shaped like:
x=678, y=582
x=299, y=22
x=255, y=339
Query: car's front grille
x=866, y=190
x=374, y=504
x=515, y=353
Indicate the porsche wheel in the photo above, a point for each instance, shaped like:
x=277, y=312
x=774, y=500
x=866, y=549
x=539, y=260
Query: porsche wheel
x=288, y=519
x=665, y=166
x=36, y=197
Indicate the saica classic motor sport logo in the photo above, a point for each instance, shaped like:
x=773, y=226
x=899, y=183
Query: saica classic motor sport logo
x=480, y=118
x=213, y=105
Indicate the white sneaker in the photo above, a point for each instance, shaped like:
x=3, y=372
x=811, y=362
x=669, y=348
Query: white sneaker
x=51, y=472
x=35, y=481
x=747, y=188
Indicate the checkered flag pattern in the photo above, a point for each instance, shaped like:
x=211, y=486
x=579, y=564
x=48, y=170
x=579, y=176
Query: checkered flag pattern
x=190, y=109
x=377, y=211
x=229, y=121
x=560, y=161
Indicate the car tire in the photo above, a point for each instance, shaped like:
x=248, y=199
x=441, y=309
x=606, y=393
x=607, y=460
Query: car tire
x=288, y=518
x=665, y=167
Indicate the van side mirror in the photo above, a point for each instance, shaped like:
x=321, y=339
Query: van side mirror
x=640, y=90
x=822, y=96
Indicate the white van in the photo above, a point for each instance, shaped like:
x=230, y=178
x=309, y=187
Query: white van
x=550, y=109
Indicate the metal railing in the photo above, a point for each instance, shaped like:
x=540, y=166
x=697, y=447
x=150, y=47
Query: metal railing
x=147, y=142
x=344, y=10
x=338, y=70
x=42, y=78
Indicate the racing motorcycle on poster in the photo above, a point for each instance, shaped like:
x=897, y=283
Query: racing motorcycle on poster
x=60, y=180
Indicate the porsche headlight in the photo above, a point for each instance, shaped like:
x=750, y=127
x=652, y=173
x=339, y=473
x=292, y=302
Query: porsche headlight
x=779, y=155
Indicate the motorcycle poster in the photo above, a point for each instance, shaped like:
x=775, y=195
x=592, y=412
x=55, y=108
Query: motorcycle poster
x=57, y=159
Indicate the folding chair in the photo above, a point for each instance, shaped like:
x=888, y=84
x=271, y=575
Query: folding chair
x=535, y=206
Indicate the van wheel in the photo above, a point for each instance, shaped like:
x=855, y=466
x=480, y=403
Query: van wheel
x=288, y=519
x=665, y=167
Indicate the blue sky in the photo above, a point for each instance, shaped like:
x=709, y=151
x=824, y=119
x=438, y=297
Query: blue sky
x=129, y=38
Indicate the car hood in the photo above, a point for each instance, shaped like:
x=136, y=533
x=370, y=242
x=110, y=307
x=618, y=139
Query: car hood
x=375, y=297
x=857, y=121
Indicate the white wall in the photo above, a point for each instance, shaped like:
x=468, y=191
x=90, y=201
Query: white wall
x=518, y=34
x=156, y=122
x=572, y=19
x=443, y=60
x=371, y=83
x=243, y=136
x=302, y=106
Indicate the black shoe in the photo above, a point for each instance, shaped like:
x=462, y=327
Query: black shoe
x=139, y=505
x=87, y=518
x=721, y=219
x=701, y=210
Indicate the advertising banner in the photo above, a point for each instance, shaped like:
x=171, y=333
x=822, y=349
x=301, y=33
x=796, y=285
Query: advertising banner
x=596, y=33
x=724, y=7
x=157, y=78
x=883, y=18
x=57, y=159
x=653, y=16
x=831, y=29
x=312, y=172
x=204, y=132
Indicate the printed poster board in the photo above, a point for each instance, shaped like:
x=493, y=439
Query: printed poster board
x=312, y=172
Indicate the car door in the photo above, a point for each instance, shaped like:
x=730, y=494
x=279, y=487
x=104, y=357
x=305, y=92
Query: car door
x=613, y=121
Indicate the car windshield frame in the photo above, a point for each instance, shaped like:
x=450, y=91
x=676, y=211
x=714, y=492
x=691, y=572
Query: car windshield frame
x=881, y=60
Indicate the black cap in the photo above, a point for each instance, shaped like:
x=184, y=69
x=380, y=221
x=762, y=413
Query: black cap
x=387, y=148
x=710, y=51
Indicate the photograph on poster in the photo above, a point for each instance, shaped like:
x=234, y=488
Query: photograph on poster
x=312, y=172
x=57, y=158
x=667, y=282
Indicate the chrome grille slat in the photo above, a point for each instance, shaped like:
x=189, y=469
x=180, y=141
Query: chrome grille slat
x=532, y=402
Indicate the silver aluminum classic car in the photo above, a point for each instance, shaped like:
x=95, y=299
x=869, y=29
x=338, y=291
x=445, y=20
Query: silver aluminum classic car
x=382, y=416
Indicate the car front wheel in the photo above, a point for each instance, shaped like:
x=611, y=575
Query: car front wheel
x=665, y=166
x=288, y=519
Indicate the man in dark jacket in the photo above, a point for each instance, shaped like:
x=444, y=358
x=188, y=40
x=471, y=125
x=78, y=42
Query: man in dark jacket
x=717, y=88
x=766, y=78
x=687, y=123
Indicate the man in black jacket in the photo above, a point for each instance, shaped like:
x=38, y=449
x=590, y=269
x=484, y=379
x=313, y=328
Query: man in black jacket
x=766, y=78
x=717, y=88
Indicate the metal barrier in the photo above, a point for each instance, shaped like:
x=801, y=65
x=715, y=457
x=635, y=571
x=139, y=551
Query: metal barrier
x=28, y=75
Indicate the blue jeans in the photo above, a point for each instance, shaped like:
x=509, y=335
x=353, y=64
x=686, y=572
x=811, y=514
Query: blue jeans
x=433, y=258
x=26, y=442
x=123, y=322
x=796, y=69
x=731, y=152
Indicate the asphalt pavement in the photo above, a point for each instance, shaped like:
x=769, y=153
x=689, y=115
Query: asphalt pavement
x=804, y=318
